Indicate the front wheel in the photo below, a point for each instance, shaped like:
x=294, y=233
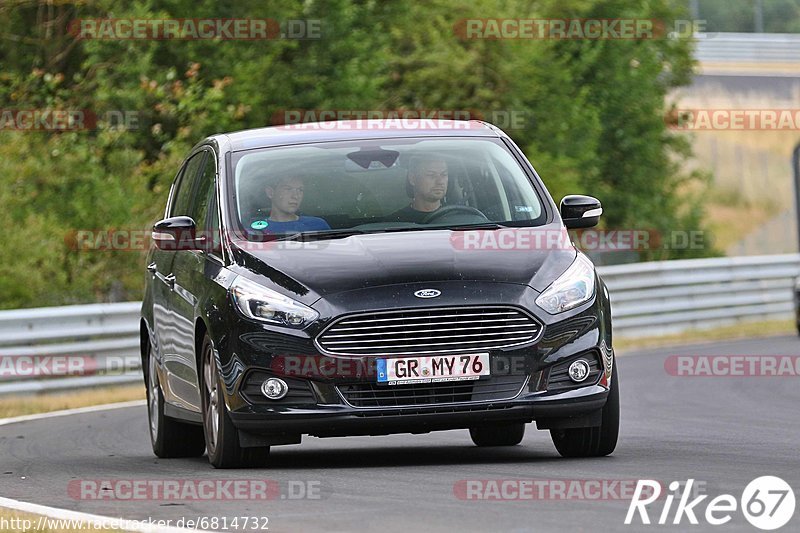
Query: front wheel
x=222, y=438
x=169, y=437
x=595, y=441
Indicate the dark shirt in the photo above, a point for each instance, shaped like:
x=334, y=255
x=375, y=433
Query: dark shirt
x=409, y=214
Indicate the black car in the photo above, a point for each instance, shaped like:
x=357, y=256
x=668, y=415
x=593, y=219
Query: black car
x=796, y=294
x=359, y=278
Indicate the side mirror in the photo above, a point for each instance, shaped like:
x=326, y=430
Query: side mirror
x=579, y=211
x=176, y=233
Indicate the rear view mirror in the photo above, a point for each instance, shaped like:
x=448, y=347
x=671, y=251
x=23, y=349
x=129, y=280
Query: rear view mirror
x=176, y=233
x=578, y=211
x=371, y=159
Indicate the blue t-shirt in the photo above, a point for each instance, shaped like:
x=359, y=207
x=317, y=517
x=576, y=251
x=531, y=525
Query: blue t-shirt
x=302, y=224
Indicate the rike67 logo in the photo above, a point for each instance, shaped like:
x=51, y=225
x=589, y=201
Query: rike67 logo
x=767, y=502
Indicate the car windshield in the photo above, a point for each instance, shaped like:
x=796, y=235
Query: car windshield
x=379, y=186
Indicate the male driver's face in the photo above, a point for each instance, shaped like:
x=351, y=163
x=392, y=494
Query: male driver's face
x=430, y=181
x=287, y=195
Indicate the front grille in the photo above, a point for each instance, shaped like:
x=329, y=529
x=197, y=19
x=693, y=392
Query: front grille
x=374, y=395
x=426, y=331
x=559, y=379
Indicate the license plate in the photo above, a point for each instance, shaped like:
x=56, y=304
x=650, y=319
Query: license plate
x=432, y=369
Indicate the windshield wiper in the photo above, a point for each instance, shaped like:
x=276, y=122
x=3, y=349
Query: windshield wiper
x=340, y=234
x=483, y=225
x=321, y=235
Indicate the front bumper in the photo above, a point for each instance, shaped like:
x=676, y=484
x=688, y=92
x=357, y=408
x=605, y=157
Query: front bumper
x=246, y=347
x=574, y=408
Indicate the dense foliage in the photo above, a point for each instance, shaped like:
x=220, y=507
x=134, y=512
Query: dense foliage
x=593, y=112
x=777, y=16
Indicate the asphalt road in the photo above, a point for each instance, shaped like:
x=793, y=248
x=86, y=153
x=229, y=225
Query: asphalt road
x=721, y=431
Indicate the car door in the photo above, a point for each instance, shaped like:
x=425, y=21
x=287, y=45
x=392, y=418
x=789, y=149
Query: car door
x=174, y=328
x=189, y=270
x=159, y=266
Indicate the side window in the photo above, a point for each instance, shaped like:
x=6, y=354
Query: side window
x=183, y=196
x=205, y=191
x=173, y=190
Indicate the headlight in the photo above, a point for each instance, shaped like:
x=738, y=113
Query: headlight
x=572, y=288
x=261, y=303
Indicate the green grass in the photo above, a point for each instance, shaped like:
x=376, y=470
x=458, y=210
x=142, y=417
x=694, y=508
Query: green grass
x=42, y=403
x=743, y=330
x=752, y=175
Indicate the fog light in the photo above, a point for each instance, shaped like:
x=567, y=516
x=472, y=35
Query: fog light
x=578, y=370
x=274, y=388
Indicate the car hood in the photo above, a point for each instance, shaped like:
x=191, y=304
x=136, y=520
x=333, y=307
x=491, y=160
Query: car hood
x=311, y=270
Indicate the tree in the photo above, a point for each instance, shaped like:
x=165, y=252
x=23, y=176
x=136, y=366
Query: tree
x=590, y=113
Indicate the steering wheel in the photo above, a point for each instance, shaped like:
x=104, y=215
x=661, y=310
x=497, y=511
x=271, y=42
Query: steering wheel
x=453, y=209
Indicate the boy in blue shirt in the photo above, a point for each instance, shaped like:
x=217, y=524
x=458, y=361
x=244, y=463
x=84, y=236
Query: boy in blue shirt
x=286, y=195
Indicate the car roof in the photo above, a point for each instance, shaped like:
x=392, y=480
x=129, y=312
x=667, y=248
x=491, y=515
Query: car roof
x=344, y=130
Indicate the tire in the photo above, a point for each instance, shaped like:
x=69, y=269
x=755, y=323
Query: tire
x=169, y=437
x=221, y=436
x=498, y=434
x=595, y=441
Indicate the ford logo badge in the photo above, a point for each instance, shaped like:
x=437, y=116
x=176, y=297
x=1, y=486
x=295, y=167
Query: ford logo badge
x=427, y=293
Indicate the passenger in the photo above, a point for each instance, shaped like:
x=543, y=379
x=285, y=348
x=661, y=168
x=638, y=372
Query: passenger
x=286, y=196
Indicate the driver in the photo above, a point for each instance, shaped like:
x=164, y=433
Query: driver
x=286, y=195
x=427, y=187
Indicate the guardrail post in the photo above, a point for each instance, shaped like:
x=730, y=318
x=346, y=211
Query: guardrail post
x=796, y=169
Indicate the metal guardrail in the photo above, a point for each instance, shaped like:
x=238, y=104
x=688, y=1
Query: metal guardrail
x=647, y=299
x=39, y=347
x=664, y=297
x=748, y=48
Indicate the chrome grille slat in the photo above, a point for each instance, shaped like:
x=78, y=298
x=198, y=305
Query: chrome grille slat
x=425, y=331
x=433, y=322
x=423, y=344
x=356, y=321
x=434, y=337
